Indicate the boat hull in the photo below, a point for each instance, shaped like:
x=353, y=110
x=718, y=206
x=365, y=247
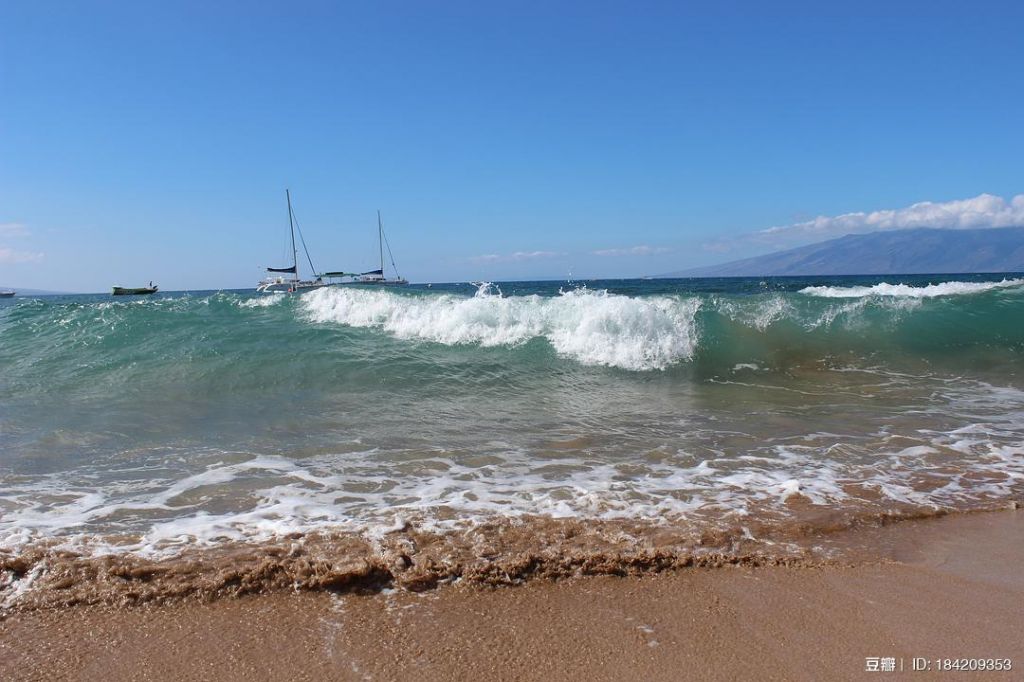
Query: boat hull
x=136, y=291
x=288, y=287
x=7, y=294
x=372, y=283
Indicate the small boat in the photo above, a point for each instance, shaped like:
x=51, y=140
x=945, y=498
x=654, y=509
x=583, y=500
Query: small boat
x=135, y=291
x=279, y=283
x=373, y=277
x=6, y=293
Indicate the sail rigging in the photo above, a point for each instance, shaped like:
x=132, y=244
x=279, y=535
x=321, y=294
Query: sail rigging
x=294, y=269
x=373, y=276
x=383, y=237
x=272, y=284
x=302, y=239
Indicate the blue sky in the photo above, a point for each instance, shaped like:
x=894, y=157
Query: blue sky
x=146, y=140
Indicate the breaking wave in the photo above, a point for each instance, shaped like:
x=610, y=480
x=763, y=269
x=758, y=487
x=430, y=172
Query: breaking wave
x=709, y=332
x=908, y=291
x=591, y=327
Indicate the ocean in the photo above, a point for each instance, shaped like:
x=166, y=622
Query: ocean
x=219, y=442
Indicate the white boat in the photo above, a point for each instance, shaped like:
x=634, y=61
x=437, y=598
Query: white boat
x=281, y=284
x=6, y=293
x=371, y=277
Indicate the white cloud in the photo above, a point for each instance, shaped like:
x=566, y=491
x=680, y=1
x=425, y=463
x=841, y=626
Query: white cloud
x=642, y=250
x=984, y=210
x=516, y=257
x=13, y=230
x=11, y=257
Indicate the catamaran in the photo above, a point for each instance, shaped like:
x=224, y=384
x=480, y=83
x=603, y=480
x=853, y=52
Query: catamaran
x=279, y=283
x=372, y=276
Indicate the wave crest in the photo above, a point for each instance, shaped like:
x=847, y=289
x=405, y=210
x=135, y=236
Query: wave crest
x=591, y=327
x=907, y=291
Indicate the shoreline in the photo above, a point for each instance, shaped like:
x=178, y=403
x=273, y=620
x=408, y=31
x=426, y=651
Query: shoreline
x=503, y=551
x=948, y=587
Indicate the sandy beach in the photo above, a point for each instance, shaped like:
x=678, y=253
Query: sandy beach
x=943, y=588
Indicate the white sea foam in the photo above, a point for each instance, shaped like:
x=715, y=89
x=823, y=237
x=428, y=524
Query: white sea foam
x=753, y=366
x=591, y=327
x=762, y=314
x=263, y=300
x=907, y=291
x=263, y=497
x=13, y=588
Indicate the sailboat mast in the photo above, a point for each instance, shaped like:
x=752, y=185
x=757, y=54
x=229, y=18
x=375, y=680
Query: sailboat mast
x=380, y=241
x=291, y=226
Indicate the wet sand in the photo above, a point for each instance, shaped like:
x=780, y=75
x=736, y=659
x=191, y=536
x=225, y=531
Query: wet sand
x=944, y=588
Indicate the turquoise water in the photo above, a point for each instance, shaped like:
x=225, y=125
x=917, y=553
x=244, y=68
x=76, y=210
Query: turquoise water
x=161, y=422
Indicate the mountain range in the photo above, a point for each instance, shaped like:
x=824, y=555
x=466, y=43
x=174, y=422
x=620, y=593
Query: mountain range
x=31, y=292
x=905, y=252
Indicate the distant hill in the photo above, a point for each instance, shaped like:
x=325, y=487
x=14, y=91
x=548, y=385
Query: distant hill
x=32, y=292
x=905, y=252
